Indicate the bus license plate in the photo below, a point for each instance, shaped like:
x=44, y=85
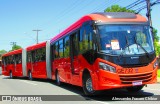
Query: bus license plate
x=135, y=83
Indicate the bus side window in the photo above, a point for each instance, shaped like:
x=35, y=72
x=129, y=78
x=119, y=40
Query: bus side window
x=66, y=47
x=38, y=55
x=75, y=44
x=29, y=56
x=20, y=58
x=61, y=48
x=6, y=60
x=12, y=59
x=43, y=54
x=33, y=55
x=86, y=39
x=16, y=59
x=56, y=50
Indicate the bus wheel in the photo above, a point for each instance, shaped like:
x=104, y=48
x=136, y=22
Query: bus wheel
x=10, y=75
x=87, y=85
x=57, y=78
x=134, y=88
x=30, y=75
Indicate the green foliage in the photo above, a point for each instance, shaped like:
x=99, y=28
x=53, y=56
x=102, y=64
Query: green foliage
x=158, y=72
x=156, y=42
x=156, y=37
x=117, y=8
x=15, y=47
x=2, y=52
x=157, y=48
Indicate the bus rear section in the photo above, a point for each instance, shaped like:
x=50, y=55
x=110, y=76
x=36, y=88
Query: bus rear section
x=105, y=51
x=12, y=64
x=36, y=61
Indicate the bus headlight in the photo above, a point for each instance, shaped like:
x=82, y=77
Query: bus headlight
x=106, y=67
x=155, y=64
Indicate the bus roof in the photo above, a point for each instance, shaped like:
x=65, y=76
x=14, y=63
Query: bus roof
x=36, y=46
x=13, y=52
x=103, y=17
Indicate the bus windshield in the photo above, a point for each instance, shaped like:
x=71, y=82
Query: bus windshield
x=125, y=39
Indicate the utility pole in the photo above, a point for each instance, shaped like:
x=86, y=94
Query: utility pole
x=13, y=43
x=37, y=34
x=149, y=12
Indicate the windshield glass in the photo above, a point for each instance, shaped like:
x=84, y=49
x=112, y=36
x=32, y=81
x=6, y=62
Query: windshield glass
x=125, y=39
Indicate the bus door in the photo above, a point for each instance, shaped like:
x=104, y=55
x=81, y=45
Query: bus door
x=40, y=63
x=34, y=64
x=3, y=63
x=75, y=66
x=18, y=64
x=66, y=60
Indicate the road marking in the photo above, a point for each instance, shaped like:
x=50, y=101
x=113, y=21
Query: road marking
x=28, y=82
x=102, y=102
x=152, y=89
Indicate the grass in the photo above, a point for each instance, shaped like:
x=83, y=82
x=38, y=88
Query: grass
x=158, y=72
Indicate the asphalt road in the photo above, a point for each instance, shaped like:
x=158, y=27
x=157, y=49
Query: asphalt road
x=23, y=86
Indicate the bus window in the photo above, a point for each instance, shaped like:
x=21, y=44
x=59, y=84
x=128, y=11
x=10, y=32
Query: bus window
x=43, y=54
x=66, y=47
x=33, y=55
x=18, y=58
x=75, y=44
x=38, y=55
x=85, y=40
x=61, y=48
x=56, y=51
x=12, y=59
x=28, y=56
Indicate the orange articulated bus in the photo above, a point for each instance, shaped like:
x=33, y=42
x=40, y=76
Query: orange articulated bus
x=105, y=51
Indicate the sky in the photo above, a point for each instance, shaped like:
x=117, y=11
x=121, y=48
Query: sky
x=18, y=18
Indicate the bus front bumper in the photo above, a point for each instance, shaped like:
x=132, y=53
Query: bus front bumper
x=107, y=80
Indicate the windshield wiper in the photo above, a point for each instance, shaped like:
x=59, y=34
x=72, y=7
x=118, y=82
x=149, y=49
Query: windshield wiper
x=129, y=48
x=141, y=47
x=127, y=45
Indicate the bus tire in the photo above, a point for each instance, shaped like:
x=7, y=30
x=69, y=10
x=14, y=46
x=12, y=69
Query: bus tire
x=87, y=85
x=58, y=82
x=134, y=88
x=11, y=75
x=30, y=75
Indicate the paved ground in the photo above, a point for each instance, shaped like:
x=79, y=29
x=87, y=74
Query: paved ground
x=22, y=86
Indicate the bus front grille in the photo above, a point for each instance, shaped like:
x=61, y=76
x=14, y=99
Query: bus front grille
x=129, y=79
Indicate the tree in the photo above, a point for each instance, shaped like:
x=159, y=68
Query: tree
x=117, y=8
x=156, y=42
x=2, y=52
x=15, y=47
